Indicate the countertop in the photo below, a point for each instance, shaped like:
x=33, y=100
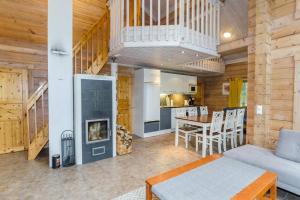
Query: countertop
x=179, y=106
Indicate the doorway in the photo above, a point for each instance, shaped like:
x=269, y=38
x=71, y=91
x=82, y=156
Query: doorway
x=13, y=97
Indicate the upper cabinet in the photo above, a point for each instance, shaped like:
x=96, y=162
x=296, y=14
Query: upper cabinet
x=175, y=83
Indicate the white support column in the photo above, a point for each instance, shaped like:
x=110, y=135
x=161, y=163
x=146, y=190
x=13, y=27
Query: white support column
x=60, y=74
x=114, y=69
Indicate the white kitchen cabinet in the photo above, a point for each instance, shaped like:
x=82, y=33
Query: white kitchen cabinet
x=176, y=83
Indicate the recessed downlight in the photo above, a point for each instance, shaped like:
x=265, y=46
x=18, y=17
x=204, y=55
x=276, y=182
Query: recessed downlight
x=227, y=35
x=182, y=52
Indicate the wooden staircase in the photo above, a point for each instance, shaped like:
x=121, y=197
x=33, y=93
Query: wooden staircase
x=90, y=54
x=37, y=121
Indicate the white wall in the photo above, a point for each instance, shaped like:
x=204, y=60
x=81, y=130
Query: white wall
x=60, y=75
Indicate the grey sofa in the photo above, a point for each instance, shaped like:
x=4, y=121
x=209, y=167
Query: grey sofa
x=288, y=171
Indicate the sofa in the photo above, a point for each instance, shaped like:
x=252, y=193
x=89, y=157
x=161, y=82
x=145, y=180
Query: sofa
x=285, y=160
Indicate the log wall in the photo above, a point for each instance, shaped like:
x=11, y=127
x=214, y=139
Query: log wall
x=273, y=69
x=213, y=97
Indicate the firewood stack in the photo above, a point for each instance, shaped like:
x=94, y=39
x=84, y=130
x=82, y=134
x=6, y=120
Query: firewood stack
x=124, y=141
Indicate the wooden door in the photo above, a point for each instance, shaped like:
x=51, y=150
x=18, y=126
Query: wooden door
x=13, y=96
x=124, y=101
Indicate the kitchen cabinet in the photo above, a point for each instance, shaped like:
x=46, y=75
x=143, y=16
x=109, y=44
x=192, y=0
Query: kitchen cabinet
x=151, y=126
x=176, y=83
x=165, y=118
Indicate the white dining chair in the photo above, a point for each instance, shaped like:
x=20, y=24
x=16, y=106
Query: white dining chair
x=203, y=110
x=187, y=131
x=239, y=126
x=229, y=131
x=214, y=132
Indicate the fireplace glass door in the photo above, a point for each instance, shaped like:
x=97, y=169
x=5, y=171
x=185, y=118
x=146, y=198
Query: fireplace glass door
x=97, y=130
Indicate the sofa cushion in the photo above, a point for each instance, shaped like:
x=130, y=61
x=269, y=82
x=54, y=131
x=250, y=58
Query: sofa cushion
x=287, y=171
x=289, y=145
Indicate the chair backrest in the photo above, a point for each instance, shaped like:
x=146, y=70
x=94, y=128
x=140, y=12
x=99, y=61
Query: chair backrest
x=203, y=110
x=240, y=117
x=216, y=122
x=230, y=120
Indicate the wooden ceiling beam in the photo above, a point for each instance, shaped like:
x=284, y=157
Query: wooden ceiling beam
x=236, y=45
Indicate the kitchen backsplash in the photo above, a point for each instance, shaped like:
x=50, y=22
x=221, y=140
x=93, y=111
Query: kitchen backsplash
x=178, y=99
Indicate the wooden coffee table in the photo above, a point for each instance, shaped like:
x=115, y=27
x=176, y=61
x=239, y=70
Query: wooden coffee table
x=263, y=188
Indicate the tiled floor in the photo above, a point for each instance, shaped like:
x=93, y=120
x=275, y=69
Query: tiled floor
x=22, y=179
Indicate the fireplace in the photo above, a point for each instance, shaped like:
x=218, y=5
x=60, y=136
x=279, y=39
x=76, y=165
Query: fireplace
x=95, y=117
x=97, y=130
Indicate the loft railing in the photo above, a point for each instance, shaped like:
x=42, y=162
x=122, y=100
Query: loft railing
x=208, y=65
x=194, y=23
x=37, y=121
x=91, y=52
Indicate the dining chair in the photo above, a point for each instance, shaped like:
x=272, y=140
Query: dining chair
x=203, y=110
x=229, y=131
x=188, y=131
x=239, y=126
x=214, y=132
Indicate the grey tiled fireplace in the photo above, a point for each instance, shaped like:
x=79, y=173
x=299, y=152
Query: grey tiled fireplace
x=95, y=117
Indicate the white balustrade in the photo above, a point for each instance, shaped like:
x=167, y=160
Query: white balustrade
x=193, y=24
x=210, y=65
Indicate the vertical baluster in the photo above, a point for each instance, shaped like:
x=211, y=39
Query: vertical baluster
x=210, y=23
x=75, y=63
x=92, y=43
x=214, y=25
x=80, y=57
x=151, y=22
x=87, y=54
x=181, y=19
x=135, y=19
x=127, y=20
x=218, y=25
x=143, y=19
x=158, y=18
x=202, y=22
x=122, y=20
x=193, y=20
x=175, y=20
x=35, y=123
x=206, y=22
x=198, y=21
x=167, y=20
x=187, y=19
x=43, y=112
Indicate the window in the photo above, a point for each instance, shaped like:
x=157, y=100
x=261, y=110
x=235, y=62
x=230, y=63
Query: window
x=243, y=99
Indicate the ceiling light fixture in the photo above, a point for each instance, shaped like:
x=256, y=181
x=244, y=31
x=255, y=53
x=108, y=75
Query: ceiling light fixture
x=182, y=52
x=227, y=35
x=197, y=55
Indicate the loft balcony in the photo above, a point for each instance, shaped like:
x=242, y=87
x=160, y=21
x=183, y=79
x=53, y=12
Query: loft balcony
x=164, y=33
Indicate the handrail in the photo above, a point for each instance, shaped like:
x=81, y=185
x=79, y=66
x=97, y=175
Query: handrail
x=37, y=94
x=37, y=121
x=191, y=22
x=210, y=65
x=92, y=47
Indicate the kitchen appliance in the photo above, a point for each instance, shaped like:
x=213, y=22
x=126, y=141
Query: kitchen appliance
x=186, y=102
x=151, y=102
x=192, y=88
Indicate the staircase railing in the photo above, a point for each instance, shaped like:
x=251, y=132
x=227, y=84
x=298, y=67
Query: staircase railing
x=37, y=121
x=208, y=65
x=91, y=53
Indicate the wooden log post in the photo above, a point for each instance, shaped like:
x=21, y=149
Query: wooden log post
x=296, y=116
x=260, y=85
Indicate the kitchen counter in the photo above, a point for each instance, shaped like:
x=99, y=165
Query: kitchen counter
x=179, y=106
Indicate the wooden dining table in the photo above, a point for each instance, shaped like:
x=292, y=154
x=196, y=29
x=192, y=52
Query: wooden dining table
x=203, y=121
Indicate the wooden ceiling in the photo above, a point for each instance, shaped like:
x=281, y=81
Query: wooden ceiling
x=23, y=28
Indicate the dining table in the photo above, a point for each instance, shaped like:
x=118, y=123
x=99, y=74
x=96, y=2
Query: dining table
x=201, y=121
